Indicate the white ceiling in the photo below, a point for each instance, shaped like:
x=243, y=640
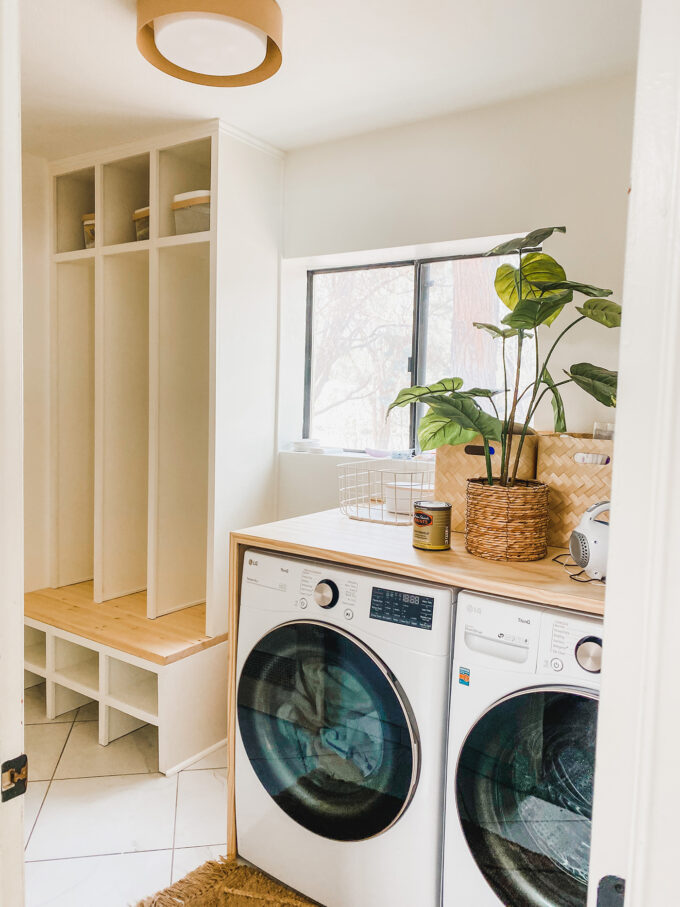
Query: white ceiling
x=349, y=66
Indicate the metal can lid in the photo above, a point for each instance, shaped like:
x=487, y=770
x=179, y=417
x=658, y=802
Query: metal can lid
x=432, y=505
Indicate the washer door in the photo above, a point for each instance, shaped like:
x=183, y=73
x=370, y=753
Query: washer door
x=328, y=731
x=524, y=789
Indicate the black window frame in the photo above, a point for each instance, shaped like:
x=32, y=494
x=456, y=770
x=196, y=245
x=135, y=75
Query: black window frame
x=417, y=357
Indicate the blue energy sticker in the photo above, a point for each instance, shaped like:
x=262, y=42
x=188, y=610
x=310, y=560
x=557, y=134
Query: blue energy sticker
x=464, y=676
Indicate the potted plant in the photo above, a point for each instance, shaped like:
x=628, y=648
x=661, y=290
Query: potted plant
x=506, y=517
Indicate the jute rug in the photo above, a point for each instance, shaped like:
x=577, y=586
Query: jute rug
x=226, y=883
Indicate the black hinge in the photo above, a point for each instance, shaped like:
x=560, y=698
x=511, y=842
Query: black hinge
x=14, y=777
x=611, y=892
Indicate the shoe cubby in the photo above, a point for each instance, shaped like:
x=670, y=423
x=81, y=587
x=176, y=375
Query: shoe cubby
x=77, y=667
x=61, y=699
x=74, y=197
x=182, y=168
x=35, y=651
x=133, y=690
x=126, y=186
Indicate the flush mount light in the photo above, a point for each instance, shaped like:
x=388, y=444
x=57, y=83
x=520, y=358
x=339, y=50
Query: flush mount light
x=211, y=42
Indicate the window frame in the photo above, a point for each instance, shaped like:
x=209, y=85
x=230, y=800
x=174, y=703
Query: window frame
x=418, y=327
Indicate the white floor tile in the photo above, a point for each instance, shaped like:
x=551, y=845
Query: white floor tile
x=217, y=759
x=89, y=712
x=35, y=709
x=44, y=743
x=186, y=859
x=35, y=794
x=88, y=816
x=83, y=757
x=105, y=881
x=201, y=808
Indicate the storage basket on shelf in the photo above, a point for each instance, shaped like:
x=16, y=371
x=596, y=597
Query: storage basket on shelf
x=384, y=491
x=88, y=230
x=192, y=211
x=506, y=523
x=141, y=222
x=455, y=465
x=565, y=463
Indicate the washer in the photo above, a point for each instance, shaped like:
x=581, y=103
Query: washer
x=343, y=691
x=521, y=755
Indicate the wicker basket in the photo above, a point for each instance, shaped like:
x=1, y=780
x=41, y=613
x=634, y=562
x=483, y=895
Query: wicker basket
x=573, y=486
x=455, y=465
x=507, y=524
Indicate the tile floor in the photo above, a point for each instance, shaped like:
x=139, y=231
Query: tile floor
x=102, y=827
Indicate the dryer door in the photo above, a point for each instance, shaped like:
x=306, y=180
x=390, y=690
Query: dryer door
x=328, y=731
x=524, y=788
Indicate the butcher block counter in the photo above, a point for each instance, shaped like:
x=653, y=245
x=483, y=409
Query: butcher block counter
x=331, y=536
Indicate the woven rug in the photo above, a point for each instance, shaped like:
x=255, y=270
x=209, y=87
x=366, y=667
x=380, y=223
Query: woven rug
x=226, y=883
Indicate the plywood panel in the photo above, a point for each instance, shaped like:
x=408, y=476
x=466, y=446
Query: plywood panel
x=74, y=403
x=180, y=489
x=123, y=425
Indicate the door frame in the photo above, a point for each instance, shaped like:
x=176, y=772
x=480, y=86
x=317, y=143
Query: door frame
x=637, y=783
x=11, y=450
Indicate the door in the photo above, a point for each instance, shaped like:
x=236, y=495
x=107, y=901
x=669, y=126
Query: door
x=327, y=730
x=524, y=792
x=11, y=451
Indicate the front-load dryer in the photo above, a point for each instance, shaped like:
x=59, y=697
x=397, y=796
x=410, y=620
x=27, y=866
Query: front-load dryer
x=343, y=690
x=521, y=755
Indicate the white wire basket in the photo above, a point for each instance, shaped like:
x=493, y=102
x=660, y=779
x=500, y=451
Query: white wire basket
x=379, y=492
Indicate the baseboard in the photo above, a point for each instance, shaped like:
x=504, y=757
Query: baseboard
x=187, y=762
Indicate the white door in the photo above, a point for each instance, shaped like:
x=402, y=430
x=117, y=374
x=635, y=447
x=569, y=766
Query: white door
x=11, y=452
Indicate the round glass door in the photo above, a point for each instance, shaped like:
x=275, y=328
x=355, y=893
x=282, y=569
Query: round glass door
x=524, y=789
x=327, y=730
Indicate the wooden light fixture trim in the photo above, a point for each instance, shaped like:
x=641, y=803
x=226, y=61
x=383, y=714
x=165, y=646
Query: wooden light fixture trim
x=262, y=14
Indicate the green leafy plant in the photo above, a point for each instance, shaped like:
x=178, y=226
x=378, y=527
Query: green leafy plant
x=536, y=292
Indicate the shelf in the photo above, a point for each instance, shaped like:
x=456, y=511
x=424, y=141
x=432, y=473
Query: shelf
x=126, y=188
x=78, y=255
x=35, y=651
x=133, y=690
x=76, y=667
x=183, y=239
x=182, y=168
x=74, y=198
x=126, y=248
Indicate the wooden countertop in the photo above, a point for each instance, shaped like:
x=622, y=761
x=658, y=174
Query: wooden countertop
x=122, y=622
x=331, y=536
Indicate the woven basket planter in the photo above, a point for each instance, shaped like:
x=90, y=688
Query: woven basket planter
x=507, y=524
x=455, y=465
x=574, y=486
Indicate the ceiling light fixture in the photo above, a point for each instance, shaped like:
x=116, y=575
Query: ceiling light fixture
x=211, y=42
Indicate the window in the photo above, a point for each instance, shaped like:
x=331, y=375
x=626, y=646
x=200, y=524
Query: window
x=372, y=330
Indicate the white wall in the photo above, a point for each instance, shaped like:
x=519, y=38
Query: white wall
x=561, y=157
x=36, y=371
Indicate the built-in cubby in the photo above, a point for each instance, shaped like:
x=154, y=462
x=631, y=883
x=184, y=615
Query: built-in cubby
x=133, y=689
x=76, y=666
x=182, y=168
x=35, y=651
x=125, y=190
x=74, y=198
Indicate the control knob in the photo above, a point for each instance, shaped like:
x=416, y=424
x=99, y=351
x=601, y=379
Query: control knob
x=326, y=593
x=588, y=653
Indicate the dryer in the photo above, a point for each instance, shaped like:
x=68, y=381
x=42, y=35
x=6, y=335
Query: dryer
x=521, y=755
x=343, y=691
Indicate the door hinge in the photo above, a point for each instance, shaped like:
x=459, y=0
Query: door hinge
x=611, y=892
x=14, y=777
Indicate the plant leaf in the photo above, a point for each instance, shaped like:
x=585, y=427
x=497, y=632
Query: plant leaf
x=585, y=288
x=529, y=313
x=468, y=414
x=604, y=311
x=496, y=333
x=529, y=241
x=594, y=380
x=479, y=392
x=435, y=430
x=559, y=415
x=535, y=267
x=413, y=394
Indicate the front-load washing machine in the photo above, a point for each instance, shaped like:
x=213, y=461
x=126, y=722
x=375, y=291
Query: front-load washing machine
x=343, y=689
x=521, y=755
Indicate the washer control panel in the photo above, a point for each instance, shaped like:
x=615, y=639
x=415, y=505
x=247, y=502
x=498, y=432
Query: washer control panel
x=571, y=646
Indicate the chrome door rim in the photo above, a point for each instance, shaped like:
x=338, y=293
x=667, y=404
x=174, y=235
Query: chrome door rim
x=395, y=686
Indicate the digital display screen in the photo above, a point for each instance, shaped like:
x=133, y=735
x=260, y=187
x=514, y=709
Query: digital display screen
x=402, y=608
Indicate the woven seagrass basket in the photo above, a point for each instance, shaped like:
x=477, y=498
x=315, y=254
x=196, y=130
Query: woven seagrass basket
x=507, y=524
x=455, y=465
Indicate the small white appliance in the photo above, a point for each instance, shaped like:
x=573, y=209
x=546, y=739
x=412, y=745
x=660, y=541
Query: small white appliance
x=521, y=755
x=343, y=691
x=589, y=542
